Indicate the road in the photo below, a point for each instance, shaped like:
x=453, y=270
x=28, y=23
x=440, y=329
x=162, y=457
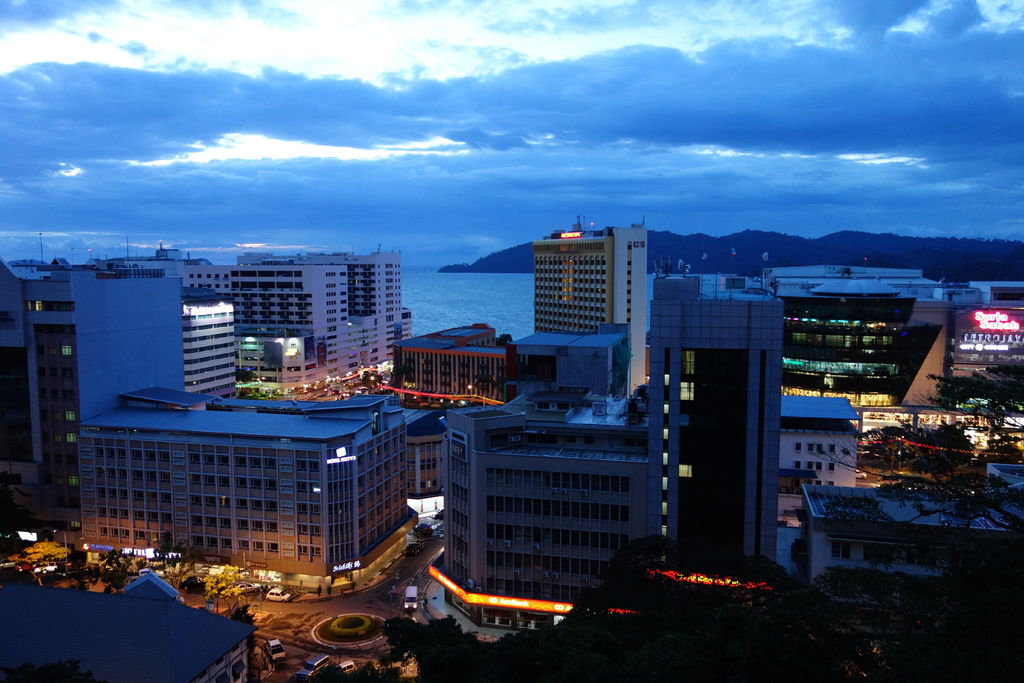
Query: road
x=293, y=622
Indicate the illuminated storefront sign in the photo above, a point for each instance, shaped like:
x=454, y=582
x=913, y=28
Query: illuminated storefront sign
x=996, y=321
x=570, y=235
x=989, y=337
x=499, y=600
x=346, y=566
x=97, y=548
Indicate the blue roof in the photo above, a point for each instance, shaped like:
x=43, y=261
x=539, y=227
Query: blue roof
x=820, y=407
x=430, y=424
x=184, y=399
x=243, y=423
x=589, y=340
x=119, y=638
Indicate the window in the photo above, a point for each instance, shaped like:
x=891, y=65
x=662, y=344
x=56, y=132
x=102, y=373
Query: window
x=840, y=550
x=686, y=470
x=796, y=464
x=686, y=391
x=798, y=447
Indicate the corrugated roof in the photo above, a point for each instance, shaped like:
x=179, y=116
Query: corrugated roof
x=429, y=424
x=118, y=638
x=227, y=422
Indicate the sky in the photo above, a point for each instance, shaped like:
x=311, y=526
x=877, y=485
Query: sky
x=451, y=128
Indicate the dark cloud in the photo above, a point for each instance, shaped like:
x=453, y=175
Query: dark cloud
x=873, y=18
x=612, y=135
x=957, y=18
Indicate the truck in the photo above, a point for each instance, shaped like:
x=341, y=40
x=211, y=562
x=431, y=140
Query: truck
x=411, y=598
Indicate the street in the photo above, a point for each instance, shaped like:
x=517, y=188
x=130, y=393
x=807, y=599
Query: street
x=293, y=622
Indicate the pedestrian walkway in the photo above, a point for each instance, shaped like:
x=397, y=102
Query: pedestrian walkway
x=435, y=607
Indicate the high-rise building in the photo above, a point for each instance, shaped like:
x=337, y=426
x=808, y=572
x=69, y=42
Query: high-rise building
x=584, y=278
x=714, y=416
x=301, y=319
x=208, y=330
x=71, y=340
x=293, y=491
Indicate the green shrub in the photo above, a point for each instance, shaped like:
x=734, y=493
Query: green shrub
x=351, y=626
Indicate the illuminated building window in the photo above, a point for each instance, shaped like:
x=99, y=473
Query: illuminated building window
x=686, y=470
x=688, y=362
x=65, y=350
x=686, y=391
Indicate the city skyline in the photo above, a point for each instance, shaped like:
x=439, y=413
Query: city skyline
x=453, y=129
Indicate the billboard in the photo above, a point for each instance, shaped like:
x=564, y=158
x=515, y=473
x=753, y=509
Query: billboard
x=986, y=337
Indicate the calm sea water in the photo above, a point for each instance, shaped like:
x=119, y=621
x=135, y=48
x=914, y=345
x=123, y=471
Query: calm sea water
x=442, y=300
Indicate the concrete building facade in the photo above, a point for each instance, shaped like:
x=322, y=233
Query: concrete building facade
x=538, y=497
x=596, y=362
x=301, y=319
x=714, y=416
x=71, y=340
x=584, y=278
x=208, y=331
x=291, y=491
x=459, y=361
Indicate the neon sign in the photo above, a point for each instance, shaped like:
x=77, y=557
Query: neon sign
x=347, y=566
x=340, y=455
x=499, y=600
x=997, y=321
x=570, y=235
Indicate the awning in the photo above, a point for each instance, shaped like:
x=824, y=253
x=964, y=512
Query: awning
x=797, y=474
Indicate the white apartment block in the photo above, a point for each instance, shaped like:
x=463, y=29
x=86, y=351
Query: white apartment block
x=301, y=319
x=584, y=278
x=208, y=332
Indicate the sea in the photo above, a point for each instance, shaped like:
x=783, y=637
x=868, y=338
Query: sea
x=443, y=300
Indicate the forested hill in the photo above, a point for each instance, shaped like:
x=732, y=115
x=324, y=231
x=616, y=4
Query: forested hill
x=954, y=259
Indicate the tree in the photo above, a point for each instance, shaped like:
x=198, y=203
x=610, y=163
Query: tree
x=42, y=553
x=64, y=671
x=14, y=516
x=224, y=585
x=179, y=560
x=113, y=569
x=503, y=339
x=995, y=395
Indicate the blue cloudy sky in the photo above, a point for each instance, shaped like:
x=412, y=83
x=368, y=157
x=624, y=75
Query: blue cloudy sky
x=450, y=128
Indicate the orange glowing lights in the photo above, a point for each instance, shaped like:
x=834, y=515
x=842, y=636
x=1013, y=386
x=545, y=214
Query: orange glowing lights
x=704, y=579
x=570, y=235
x=499, y=600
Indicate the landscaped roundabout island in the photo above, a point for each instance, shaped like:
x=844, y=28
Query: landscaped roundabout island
x=348, y=628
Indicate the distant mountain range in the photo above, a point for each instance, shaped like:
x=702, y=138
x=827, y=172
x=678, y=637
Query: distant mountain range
x=949, y=258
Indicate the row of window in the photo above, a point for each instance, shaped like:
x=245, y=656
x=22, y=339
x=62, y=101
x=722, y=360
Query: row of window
x=497, y=476
x=507, y=533
x=558, y=508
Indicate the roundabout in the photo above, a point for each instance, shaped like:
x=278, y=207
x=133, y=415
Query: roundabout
x=348, y=629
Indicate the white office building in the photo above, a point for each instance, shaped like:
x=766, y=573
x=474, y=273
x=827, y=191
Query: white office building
x=208, y=336
x=302, y=319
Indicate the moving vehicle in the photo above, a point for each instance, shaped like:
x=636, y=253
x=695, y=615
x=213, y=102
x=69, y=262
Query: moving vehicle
x=275, y=650
x=411, y=598
x=278, y=595
x=413, y=549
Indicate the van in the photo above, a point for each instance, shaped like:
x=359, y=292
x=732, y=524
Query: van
x=275, y=650
x=347, y=666
x=411, y=598
x=312, y=667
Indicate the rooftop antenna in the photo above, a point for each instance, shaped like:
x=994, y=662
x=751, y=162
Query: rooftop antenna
x=41, y=247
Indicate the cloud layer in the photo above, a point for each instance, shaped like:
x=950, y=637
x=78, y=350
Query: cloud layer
x=903, y=115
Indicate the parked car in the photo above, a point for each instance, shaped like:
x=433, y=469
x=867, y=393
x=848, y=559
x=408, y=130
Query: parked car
x=423, y=530
x=248, y=587
x=278, y=595
x=275, y=650
x=194, y=583
x=312, y=667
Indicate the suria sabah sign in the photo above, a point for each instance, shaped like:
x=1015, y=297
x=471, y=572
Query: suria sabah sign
x=996, y=321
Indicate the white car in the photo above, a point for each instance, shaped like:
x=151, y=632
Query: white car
x=275, y=650
x=278, y=595
x=248, y=587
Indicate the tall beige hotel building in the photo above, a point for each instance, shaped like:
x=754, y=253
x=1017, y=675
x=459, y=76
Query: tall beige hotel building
x=584, y=278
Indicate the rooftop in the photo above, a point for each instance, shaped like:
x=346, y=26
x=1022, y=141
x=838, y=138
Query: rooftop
x=541, y=451
x=119, y=638
x=821, y=500
x=820, y=407
x=268, y=425
x=180, y=399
